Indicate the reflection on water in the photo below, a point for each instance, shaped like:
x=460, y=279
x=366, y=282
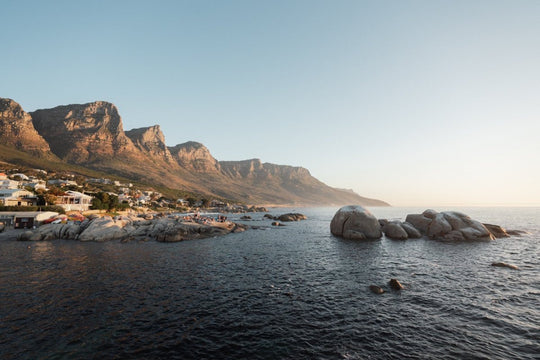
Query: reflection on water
x=287, y=292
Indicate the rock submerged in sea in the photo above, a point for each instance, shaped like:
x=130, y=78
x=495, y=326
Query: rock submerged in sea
x=355, y=222
x=395, y=284
x=503, y=264
x=376, y=289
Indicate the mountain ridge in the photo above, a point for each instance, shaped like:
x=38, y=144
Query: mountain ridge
x=92, y=135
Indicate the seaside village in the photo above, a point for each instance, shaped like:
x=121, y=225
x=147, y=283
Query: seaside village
x=29, y=198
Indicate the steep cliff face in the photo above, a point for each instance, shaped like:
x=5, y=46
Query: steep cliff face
x=150, y=140
x=84, y=133
x=196, y=157
x=246, y=169
x=17, y=129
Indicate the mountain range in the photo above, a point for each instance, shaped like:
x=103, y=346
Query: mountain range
x=92, y=136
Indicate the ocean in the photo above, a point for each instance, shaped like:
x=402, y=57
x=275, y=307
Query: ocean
x=291, y=292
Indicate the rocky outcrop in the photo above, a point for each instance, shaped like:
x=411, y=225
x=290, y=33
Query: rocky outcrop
x=291, y=217
x=126, y=228
x=150, y=140
x=355, y=222
x=17, y=129
x=196, y=157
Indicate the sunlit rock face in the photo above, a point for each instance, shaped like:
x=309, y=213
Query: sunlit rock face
x=17, y=129
x=355, y=222
x=84, y=133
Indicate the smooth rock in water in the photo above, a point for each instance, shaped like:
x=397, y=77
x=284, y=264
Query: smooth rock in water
x=291, y=217
x=245, y=217
x=394, y=230
x=383, y=222
x=268, y=216
x=419, y=221
x=353, y=219
x=412, y=232
x=376, y=289
x=277, y=223
x=438, y=227
x=454, y=235
x=395, y=284
x=496, y=230
x=502, y=264
x=354, y=235
x=430, y=213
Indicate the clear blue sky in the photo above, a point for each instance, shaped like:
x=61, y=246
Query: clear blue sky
x=413, y=102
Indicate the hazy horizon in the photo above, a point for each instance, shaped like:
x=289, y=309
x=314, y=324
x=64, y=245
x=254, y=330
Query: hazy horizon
x=415, y=103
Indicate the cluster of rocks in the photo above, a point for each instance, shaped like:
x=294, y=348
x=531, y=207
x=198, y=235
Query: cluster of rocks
x=355, y=222
x=128, y=228
x=286, y=217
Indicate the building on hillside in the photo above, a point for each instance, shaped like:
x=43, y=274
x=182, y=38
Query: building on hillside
x=19, y=176
x=25, y=219
x=100, y=181
x=182, y=202
x=62, y=182
x=74, y=201
x=17, y=197
x=36, y=185
x=217, y=203
x=9, y=184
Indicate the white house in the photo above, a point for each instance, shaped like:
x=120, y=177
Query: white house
x=74, y=201
x=17, y=197
x=9, y=184
x=36, y=185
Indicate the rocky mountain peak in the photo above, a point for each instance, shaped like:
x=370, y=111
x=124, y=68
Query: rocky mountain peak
x=150, y=140
x=17, y=129
x=195, y=156
x=82, y=132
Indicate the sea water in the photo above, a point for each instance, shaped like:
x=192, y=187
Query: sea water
x=291, y=292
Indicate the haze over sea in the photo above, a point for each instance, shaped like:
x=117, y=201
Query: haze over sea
x=286, y=292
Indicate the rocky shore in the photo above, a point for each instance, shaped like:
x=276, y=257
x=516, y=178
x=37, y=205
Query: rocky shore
x=133, y=228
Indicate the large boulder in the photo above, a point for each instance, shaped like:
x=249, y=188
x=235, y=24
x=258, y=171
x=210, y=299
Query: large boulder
x=355, y=222
x=104, y=229
x=412, y=232
x=394, y=230
x=419, y=221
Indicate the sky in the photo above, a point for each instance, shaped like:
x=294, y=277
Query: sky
x=418, y=103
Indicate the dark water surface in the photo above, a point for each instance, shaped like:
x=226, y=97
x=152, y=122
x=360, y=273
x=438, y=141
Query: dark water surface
x=293, y=292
